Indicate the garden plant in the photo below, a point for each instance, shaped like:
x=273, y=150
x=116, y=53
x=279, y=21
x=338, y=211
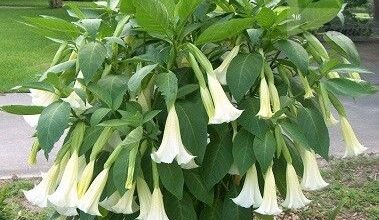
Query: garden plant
x=189, y=109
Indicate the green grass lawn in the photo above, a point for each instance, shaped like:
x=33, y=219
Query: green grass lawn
x=24, y=54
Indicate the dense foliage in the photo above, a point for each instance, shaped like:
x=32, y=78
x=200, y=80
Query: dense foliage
x=203, y=109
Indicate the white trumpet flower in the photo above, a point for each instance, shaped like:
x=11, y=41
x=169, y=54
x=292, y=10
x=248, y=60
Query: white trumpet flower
x=312, y=179
x=110, y=201
x=265, y=111
x=250, y=194
x=295, y=198
x=327, y=114
x=172, y=146
x=353, y=147
x=220, y=71
x=157, y=211
x=224, y=109
x=126, y=204
x=269, y=204
x=89, y=203
x=65, y=198
x=144, y=198
x=38, y=195
x=39, y=98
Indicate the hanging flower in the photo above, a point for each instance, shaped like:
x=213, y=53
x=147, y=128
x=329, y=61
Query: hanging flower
x=220, y=72
x=250, y=194
x=172, y=146
x=89, y=203
x=39, y=98
x=126, y=204
x=110, y=201
x=269, y=204
x=144, y=198
x=156, y=211
x=353, y=147
x=312, y=179
x=224, y=109
x=38, y=195
x=295, y=198
x=65, y=198
x=85, y=178
x=264, y=95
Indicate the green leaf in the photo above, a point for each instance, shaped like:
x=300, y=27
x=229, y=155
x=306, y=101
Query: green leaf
x=197, y=187
x=91, y=57
x=135, y=81
x=36, y=85
x=264, y=150
x=54, y=27
x=243, y=72
x=185, y=8
x=250, y=121
x=90, y=137
x=223, y=30
x=295, y=53
x=193, y=123
x=266, y=17
x=61, y=67
x=217, y=160
x=111, y=90
x=168, y=85
x=313, y=125
x=22, y=109
x=120, y=170
x=126, y=6
x=212, y=212
x=293, y=130
x=344, y=46
x=187, y=89
x=171, y=176
x=347, y=87
x=150, y=115
x=156, y=16
x=230, y=210
x=243, y=152
x=98, y=115
x=313, y=14
x=179, y=209
x=345, y=68
x=132, y=120
x=53, y=121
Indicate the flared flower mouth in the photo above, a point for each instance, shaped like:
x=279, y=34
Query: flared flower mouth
x=126, y=204
x=39, y=194
x=224, y=110
x=172, y=146
x=295, y=198
x=353, y=146
x=269, y=205
x=312, y=179
x=157, y=210
x=250, y=194
x=89, y=203
x=144, y=198
x=65, y=198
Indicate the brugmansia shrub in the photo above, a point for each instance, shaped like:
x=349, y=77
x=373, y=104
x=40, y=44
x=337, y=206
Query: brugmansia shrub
x=189, y=109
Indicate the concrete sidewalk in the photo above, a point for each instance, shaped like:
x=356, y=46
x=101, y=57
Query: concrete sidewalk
x=16, y=135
